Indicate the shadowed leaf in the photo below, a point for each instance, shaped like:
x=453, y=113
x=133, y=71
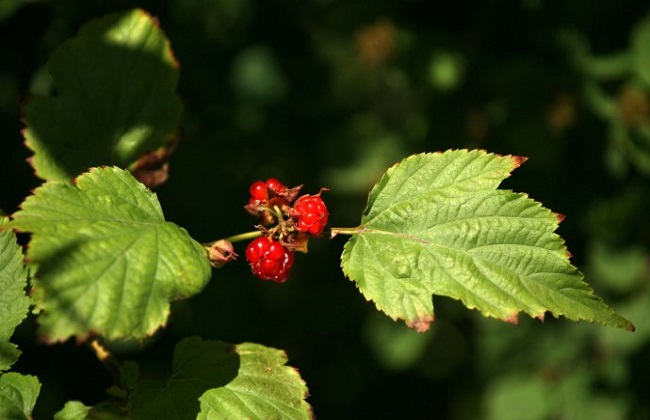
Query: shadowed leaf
x=106, y=260
x=115, y=98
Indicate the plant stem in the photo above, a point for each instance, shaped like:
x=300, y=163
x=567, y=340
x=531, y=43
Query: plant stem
x=244, y=236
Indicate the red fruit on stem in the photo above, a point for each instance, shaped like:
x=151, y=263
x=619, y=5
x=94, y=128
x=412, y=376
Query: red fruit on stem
x=256, y=249
x=275, y=186
x=310, y=214
x=258, y=191
x=269, y=260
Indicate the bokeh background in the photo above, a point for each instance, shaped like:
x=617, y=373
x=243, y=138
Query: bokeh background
x=331, y=93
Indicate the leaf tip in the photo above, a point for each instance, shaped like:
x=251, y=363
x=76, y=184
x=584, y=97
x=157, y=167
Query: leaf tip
x=512, y=319
x=30, y=162
x=140, y=11
x=518, y=160
x=421, y=324
x=560, y=217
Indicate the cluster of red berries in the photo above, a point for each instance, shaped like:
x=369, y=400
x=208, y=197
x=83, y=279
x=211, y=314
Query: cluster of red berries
x=286, y=225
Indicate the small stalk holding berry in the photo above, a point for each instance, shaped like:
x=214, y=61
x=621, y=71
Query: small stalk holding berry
x=286, y=224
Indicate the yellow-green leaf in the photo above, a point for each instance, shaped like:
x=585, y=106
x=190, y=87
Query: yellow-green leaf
x=436, y=224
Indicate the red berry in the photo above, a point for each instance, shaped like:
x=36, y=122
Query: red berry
x=310, y=214
x=256, y=249
x=269, y=260
x=258, y=191
x=275, y=186
x=275, y=251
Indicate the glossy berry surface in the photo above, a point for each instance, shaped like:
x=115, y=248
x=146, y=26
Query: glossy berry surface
x=310, y=214
x=275, y=186
x=269, y=260
x=258, y=191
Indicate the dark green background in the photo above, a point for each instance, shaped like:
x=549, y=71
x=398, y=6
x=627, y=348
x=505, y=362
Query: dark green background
x=290, y=89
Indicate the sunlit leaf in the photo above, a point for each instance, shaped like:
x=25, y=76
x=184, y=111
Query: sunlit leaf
x=14, y=303
x=115, y=101
x=73, y=410
x=436, y=224
x=106, y=260
x=265, y=388
x=18, y=395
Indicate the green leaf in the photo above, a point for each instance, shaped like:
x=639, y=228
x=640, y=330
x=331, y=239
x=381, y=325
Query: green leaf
x=641, y=50
x=115, y=98
x=436, y=224
x=264, y=388
x=229, y=380
x=18, y=395
x=73, y=410
x=106, y=261
x=14, y=303
x=108, y=410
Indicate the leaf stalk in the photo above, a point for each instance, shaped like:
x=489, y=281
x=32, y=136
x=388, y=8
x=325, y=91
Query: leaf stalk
x=345, y=231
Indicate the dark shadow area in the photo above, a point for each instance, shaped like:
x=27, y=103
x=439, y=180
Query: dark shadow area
x=197, y=367
x=330, y=94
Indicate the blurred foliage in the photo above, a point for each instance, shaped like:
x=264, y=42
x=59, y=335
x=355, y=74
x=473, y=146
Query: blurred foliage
x=330, y=93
